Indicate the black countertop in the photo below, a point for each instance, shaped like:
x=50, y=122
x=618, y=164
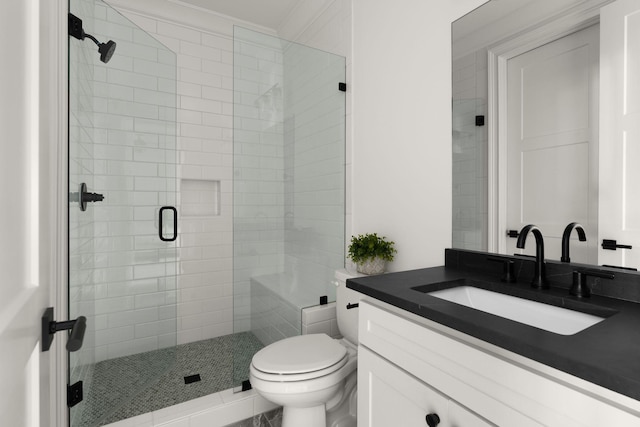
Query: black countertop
x=607, y=353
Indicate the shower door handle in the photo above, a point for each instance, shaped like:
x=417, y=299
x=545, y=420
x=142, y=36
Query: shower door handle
x=175, y=224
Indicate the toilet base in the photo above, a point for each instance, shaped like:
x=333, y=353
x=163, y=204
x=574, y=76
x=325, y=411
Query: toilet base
x=314, y=416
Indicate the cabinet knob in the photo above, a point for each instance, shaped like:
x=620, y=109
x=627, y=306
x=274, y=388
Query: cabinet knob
x=433, y=420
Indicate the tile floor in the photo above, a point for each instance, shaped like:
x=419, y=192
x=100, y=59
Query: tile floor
x=268, y=419
x=119, y=390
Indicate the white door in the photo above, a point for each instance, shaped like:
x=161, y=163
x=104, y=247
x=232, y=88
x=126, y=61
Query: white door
x=552, y=143
x=28, y=214
x=620, y=132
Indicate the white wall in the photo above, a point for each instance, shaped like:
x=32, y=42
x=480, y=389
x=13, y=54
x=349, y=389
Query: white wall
x=402, y=124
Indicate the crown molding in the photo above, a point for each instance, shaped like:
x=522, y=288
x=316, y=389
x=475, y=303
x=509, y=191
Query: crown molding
x=181, y=13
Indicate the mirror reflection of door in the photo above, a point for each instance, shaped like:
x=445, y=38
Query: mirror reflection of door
x=620, y=132
x=552, y=143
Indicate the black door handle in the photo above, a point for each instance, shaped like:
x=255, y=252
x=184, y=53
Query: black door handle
x=175, y=224
x=612, y=245
x=432, y=420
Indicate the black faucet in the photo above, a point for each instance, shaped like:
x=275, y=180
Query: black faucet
x=508, y=268
x=579, y=286
x=539, y=277
x=565, y=239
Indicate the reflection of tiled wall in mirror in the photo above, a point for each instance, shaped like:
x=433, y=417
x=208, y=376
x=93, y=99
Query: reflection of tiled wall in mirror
x=469, y=151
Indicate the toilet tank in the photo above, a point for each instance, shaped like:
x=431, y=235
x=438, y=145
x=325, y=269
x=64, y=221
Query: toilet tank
x=347, y=318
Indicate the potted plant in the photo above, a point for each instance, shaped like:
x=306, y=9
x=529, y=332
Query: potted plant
x=370, y=253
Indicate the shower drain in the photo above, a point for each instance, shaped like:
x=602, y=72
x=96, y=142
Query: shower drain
x=192, y=379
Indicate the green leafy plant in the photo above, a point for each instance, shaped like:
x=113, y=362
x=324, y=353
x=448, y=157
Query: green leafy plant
x=369, y=246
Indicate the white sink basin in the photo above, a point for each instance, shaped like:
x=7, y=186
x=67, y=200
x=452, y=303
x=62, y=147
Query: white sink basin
x=548, y=317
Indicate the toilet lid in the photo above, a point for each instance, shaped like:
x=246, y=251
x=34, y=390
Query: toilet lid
x=300, y=354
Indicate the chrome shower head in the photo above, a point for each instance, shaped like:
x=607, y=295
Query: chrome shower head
x=106, y=50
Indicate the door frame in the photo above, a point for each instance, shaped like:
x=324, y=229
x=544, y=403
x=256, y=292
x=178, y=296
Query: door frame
x=498, y=55
x=57, y=79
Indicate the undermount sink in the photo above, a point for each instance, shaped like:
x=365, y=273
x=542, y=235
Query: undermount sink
x=544, y=316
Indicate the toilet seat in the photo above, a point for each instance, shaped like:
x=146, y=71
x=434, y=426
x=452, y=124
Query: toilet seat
x=299, y=358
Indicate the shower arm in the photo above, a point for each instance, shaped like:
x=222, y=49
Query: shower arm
x=92, y=38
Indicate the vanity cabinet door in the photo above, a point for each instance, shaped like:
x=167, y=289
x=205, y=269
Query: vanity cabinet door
x=388, y=396
x=459, y=416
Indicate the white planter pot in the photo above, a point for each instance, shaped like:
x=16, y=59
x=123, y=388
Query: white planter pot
x=371, y=266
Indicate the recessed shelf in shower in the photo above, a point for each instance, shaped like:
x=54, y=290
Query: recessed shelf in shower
x=199, y=197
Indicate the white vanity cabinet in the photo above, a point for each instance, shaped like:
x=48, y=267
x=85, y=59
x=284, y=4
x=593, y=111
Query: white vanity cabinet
x=409, y=367
x=396, y=398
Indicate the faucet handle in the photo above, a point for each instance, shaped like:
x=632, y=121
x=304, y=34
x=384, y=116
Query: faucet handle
x=508, y=272
x=579, y=286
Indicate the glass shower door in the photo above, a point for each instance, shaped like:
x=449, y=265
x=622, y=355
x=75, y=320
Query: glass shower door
x=122, y=242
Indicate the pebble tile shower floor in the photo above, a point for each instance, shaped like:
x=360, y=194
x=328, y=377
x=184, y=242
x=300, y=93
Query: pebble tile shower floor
x=212, y=359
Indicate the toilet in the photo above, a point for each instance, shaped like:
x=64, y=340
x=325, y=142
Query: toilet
x=313, y=376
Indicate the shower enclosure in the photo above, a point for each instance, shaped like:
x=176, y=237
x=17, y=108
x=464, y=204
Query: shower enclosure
x=128, y=254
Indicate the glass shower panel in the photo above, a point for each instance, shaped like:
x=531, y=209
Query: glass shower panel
x=289, y=159
x=122, y=276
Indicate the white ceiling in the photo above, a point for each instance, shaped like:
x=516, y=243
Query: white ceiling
x=266, y=13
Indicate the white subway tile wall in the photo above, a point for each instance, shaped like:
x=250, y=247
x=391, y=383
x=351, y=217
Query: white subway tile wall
x=258, y=166
x=330, y=31
x=273, y=317
x=314, y=168
x=277, y=314
x=470, y=176
x=320, y=319
x=134, y=154
x=289, y=177
x=205, y=161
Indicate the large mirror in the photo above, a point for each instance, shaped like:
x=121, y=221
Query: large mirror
x=539, y=127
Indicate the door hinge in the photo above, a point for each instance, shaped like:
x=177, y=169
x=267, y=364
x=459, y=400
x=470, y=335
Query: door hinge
x=74, y=394
x=50, y=327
